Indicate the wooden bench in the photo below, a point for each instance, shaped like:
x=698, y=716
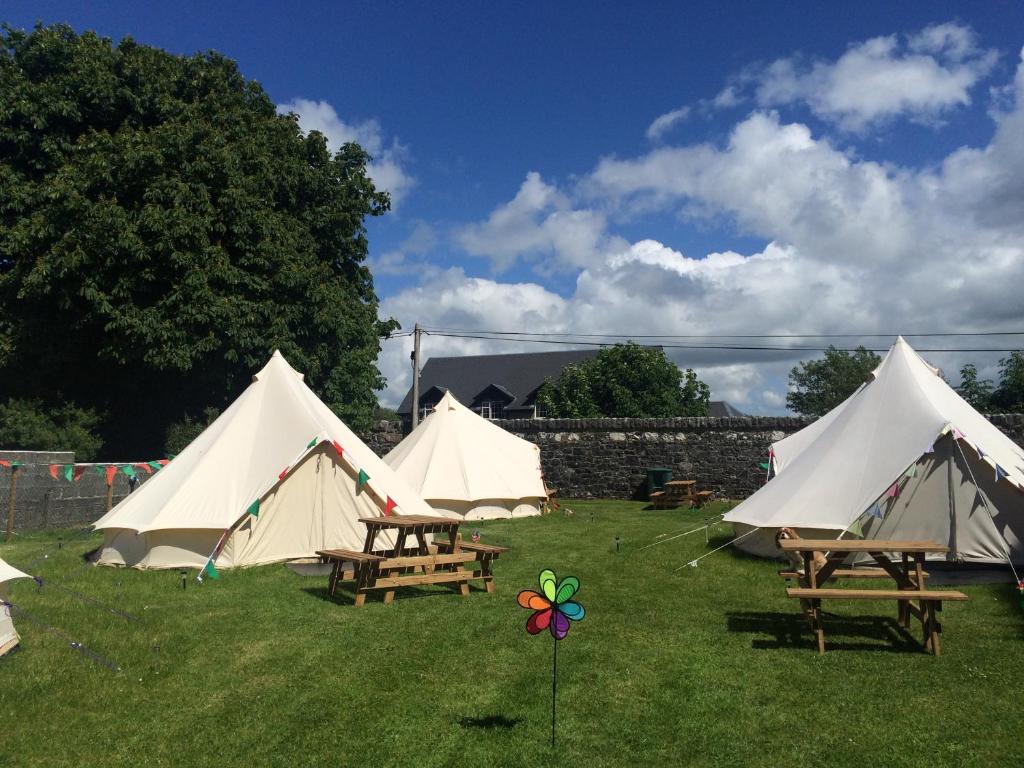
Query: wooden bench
x=930, y=603
x=486, y=554
x=674, y=493
x=848, y=573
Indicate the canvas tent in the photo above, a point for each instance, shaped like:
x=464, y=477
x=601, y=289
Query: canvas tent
x=277, y=444
x=8, y=635
x=463, y=464
x=904, y=457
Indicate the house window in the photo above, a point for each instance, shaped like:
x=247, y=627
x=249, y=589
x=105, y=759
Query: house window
x=426, y=409
x=539, y=411
x=492, y=409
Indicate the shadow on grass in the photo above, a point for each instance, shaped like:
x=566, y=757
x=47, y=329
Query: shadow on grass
x=848, y=633
x=345, y=596
x=489, y=722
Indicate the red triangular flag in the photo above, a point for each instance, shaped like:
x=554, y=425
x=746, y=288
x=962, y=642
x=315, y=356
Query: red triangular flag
x=110, y=472
x=337, y=447
x=144, y=466
x=164, y=462
x=283, y=473
x=5, y=463
x=53, y=470
x=79, y=471
x=389, y=506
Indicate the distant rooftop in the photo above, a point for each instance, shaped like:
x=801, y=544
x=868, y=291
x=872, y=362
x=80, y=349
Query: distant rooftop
x=517, y=376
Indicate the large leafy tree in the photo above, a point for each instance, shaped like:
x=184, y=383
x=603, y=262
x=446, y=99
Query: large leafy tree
x=626, y=380
x=977, y=392
x=163, y=229
x=1009, y=395
x=818, y=386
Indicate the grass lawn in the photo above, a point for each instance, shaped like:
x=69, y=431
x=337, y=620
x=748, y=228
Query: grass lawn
x=706, y=666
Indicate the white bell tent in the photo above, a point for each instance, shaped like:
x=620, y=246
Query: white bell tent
x=462, y=464
x=276, y=477
x=904, y=457
x=8, y=635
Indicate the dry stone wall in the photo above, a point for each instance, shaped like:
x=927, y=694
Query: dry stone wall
x=581, y=458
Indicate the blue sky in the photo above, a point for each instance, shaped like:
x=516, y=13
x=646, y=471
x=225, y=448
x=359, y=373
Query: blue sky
x=656, y=168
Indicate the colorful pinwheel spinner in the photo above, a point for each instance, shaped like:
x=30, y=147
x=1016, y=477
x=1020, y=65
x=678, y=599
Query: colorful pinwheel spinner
x=553, y=606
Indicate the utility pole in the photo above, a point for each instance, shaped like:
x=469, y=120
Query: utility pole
x=416, y=333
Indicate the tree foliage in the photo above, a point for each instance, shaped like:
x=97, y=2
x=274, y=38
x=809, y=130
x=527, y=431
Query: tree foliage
x=626, y=380
x=28, y=425
x=818, y=386
x=163, y=229
x=1008, y=397
x=977, y=392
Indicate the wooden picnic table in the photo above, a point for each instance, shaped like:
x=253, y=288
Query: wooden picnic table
x=442, y=562
x=676, y=492
x=907, y=571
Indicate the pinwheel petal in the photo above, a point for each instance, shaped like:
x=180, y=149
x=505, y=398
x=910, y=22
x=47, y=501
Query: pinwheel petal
x=539, y=621
x=547, y=583
x=572, y=610
x=566, y=588
x=530, y=599
x=559, y=625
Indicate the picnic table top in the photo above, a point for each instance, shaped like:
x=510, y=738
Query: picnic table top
x=676, y=483
x=409, y=521
x=860, y=545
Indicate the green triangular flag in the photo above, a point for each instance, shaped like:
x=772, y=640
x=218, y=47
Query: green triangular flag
x=313, y=442
x=69, y=472
x=155, y=465
x=254, y=508
x=15, y=464
x=99, y=469
x=764, y=465
x=129, y=470
x=912, y=472
x=362, y=480
x=855, y=528
x=210, y=570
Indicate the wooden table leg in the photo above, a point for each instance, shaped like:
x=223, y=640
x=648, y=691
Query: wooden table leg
x=903, y=607
x=389, y=596
x=819, y=630
x=362, y=574
x=332, y=583
x=485, y=571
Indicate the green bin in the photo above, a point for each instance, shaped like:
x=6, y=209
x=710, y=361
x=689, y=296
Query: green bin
x=656, y=479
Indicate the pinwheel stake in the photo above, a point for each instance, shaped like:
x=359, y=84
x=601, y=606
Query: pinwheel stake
x=553, y=609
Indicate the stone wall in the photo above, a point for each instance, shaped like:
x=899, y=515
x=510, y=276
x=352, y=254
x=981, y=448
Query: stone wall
x=609, y=458
x=582, y=458
x=43, y=502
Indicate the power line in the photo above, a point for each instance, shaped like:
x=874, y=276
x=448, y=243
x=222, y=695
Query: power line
x=440, y=331
x=725, y=347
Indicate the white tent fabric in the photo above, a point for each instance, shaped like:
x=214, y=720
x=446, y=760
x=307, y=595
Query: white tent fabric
x=8, y=635
x=463, y=464
x=275, y=443
x=905, y=428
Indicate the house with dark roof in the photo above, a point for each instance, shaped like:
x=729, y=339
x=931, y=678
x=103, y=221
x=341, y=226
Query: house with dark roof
x=501, y=386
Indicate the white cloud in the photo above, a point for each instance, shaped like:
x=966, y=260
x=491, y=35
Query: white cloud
x=663, y=123
x=539, y=222
x=421, y=240
x=851, y=245
x=386, y=168
x=920, y=76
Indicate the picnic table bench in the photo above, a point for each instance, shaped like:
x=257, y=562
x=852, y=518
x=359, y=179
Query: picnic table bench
x=677, y=492
x=443, y=562
x=911, y=596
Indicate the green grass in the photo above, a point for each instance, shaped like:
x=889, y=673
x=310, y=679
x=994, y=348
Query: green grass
x=707, y=666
